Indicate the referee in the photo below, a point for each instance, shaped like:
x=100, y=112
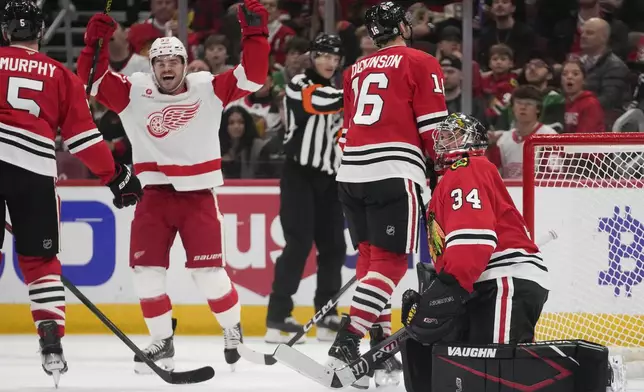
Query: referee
x=309, y=206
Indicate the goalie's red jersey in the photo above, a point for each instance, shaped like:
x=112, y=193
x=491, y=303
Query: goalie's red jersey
x=475, y=232
x=393, y=100
x=38, y=97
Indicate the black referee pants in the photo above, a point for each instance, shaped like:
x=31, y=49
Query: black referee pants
x=309, y=211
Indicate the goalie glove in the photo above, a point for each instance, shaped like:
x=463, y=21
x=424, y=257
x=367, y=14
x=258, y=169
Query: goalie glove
x=253, y=18
x=434, y=315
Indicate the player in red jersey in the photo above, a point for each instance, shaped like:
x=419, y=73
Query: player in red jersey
x=393, y=100
x=492, y=282
x=38, y=97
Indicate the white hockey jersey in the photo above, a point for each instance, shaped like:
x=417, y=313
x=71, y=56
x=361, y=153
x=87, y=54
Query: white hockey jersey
x=175, y=138
x=510, y=144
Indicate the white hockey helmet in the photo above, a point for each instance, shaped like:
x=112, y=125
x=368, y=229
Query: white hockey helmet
x=168, y=46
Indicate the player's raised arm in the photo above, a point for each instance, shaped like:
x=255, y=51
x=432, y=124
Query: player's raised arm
x=250, y=75
x=109, y=88
x=429, y=98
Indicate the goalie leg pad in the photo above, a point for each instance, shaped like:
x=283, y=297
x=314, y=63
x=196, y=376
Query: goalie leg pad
x=555, y=366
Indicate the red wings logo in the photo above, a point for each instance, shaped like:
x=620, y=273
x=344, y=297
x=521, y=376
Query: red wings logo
x=171, y=119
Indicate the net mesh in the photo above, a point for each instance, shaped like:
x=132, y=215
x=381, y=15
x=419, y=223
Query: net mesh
x=592, y=197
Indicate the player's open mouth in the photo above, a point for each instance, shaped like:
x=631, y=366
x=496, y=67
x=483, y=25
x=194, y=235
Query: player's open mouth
x=167, y=77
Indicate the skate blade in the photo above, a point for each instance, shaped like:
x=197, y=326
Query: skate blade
x=55, y=374
x=233, y=367
x=336, y=364
x=143, y=369
x=275, y=336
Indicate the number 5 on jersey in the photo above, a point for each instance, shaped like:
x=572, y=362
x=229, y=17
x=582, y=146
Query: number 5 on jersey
x=471, y=198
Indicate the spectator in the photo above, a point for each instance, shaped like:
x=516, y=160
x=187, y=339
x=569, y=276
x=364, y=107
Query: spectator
x=262, y=105
x=450, y=44
x=506, y=149
x=367, y=46
x=345, y=30
x=638, y=94
x=499, y=84
x=583, y=111
x=278, y=33
x=293, y=65
x=538, y=73
x=216, y=53
x=122, y=59
x=566, y=36
x=240, y=145
x=160, y=24
x=606, y=74
x=508, y=31
x=198, y=66
x=452, y=72
x=113, y=132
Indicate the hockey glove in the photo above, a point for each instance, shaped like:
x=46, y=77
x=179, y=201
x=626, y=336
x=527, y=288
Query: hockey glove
x=433, y=316
x=253, y=18
x=100, y=26
x=126, y=187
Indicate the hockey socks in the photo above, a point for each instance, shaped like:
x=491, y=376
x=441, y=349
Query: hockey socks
x=46, y=291
x=384, y=269
x=384, y=320
x=215, y=285
x=149, y=284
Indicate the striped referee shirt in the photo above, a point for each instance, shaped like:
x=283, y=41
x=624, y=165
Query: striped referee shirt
x=312, y=106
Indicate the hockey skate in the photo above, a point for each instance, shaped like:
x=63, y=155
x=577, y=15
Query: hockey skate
x=389, y=372
x=617, y=374
x=51, y=351
x=282, y=332
x=328, y=327
x=346, y=349
x=159, y=351
x=232, y=338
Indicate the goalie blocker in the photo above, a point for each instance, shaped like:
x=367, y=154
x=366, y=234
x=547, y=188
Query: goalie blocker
x=552, y=366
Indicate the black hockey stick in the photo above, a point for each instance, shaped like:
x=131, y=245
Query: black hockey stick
x=97, y=51
x=188, y=377
x=347, y=375
x=269, y=359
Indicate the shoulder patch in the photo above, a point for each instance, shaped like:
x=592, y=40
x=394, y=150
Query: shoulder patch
x=435, y=237
x=464, y=162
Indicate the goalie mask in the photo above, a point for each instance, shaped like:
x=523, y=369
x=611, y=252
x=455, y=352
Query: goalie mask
x=169, y=63
x=457, y=137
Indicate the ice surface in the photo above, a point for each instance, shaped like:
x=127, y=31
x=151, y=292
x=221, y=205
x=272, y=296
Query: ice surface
x=104, y=364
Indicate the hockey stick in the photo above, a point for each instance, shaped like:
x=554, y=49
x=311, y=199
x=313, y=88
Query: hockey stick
x=269, y=359
x=362, y=366
x=97, y=51
x=187, y=377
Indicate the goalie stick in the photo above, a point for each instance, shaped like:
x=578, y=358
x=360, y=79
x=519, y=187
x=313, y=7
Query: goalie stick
x=269, y=359
x=187, y=377
x=346, y=376
x=97, y=52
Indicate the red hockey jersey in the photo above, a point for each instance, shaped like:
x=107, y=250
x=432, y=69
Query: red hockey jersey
x=475, y=232
x=393, y=100
x=39, y=96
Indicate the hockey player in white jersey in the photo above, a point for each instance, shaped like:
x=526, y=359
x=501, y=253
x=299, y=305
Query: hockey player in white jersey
x=172, y=120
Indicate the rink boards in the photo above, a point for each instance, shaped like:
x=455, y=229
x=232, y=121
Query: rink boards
x=597, y=262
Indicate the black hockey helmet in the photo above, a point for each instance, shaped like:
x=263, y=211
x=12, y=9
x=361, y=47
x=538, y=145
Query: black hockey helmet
x=383, y=22
x=457, y=137
x=22, y=20
x=327, y=43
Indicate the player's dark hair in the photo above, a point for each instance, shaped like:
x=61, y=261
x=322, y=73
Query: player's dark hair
x=247, y=138
x=22, y=21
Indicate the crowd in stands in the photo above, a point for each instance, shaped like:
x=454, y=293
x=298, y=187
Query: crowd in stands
x=541, y=66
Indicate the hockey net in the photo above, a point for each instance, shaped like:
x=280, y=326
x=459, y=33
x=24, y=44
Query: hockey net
x=589, y=189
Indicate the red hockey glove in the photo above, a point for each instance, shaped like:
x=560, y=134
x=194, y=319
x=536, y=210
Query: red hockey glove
x=253, y=18
x=99, y=26
x=126, y=187
x=434, y=315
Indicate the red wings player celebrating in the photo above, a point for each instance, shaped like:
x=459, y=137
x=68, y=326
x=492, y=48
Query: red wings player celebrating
x=39, y=96
x=479, y=244
x=172, y=120
x=393, y=100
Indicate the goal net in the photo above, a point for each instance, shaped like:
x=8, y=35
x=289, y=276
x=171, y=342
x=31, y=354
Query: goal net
x=588, y=188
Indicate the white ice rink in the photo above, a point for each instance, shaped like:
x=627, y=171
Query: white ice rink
x=104, y=364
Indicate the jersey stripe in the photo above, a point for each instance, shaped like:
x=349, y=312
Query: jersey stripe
x=428, y=122
x=471, y=237
x=83, y=140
